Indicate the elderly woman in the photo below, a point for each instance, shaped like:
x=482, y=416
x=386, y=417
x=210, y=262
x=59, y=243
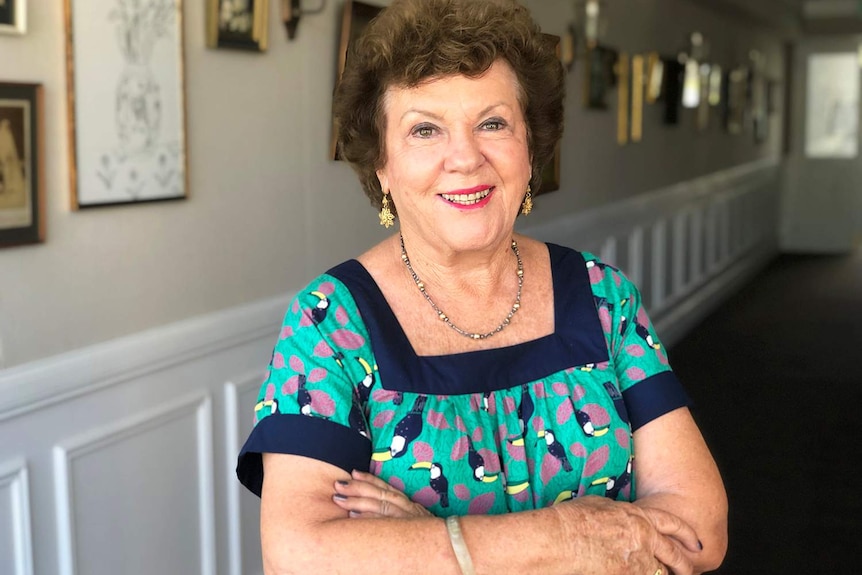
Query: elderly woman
x=461, y=398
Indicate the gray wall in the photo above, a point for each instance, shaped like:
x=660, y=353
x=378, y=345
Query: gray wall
x=267, y=209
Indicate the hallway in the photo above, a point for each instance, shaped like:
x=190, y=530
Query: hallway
x=775, y=377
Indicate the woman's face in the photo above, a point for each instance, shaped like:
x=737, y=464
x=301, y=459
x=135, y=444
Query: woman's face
x=457, y=159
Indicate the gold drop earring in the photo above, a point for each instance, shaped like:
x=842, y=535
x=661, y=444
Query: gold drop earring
x=527, y=206
x=387, y=218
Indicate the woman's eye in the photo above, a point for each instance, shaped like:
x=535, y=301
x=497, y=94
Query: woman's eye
x=494, y=125
x=423, y=131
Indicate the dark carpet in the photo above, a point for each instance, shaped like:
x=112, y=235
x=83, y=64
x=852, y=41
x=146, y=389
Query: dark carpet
x=776, y=378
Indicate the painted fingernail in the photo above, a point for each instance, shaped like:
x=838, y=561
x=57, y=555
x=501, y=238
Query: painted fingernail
x=342, y=482
x=699, y=545
x=353, y=513
x=339, y=497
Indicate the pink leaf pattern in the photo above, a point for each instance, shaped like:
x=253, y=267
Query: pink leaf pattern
x=509, y=405
x=481, y=504
x=341, y=316
x=426, y=497
x=622, y=438
x=662, y=356
x=459, y=450
x=286, y=332
x=578, y=393
x=295, y=307
x=598, y=414
x=635, y=350
x=492, y=461
x=347, y=339
x=327, y=288
x=437, y=419
x=578, y=450
x=290, y=386
x=643, y=318
x=596, y=275
x=383, y=395
x=522, y=497
x=596, y=461
x=605, y=319
x=459, y=424
x=539, y=390
x=422, y=451
x=397, y=483
x=516, y=452
x=296, y=364
x=538, y=423
x=270, y=392
x=322, y=349
x=317, y=374
x=306, y=320
x=382, y=418
x=564, y=412
x=550, y=467
x=322, y=403
x=462, y=492
x=635, y=374
x=375, y=467
x=560, y=388
x=477, y=435
x=277, y=360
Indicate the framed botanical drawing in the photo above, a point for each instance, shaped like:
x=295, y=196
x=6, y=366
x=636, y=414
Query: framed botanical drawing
x=356, y=16
x=13, y=16
x=22, y=205
x=126, y=100
x=240, y=24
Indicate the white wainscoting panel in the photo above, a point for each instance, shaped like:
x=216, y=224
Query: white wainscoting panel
x=243, y=507
x=16, y=546
x=114, y=507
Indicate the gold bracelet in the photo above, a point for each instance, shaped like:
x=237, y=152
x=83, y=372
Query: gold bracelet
x=459, y=546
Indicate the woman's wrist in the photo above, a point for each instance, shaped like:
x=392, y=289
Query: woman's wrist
x=459, y=546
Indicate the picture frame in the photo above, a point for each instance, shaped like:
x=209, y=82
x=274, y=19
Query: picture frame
x=13, y=17
x=599, y=76
x=239, y=25
x=22, y=195
x=356, y=15
x=126, y=102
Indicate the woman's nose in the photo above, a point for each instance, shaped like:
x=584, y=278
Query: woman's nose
x=464, y=153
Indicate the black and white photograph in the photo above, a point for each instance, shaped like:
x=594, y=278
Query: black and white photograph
x=13, y=16
x=238, y=24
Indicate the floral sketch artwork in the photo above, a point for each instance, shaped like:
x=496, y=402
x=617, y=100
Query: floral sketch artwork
x=129, y=103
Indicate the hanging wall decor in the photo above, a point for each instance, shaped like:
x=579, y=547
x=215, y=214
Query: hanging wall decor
x=13, y=16
x=239, y=24
x=355, y=17
x=126, y=101
x=22, y=206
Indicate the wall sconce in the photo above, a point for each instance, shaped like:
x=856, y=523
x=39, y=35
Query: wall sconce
x=291, y=10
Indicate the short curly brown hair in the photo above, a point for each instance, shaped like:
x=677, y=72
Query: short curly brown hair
x=412, y=41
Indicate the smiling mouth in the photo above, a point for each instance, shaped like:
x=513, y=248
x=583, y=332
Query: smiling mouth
x=467, y=199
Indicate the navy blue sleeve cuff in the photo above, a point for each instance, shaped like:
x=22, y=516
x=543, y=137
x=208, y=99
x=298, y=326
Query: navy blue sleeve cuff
x=301, y=435
x=653, y=397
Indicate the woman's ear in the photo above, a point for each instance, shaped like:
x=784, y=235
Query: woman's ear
x=384, y=181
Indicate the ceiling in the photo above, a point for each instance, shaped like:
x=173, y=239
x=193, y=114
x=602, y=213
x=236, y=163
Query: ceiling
x=793, y=18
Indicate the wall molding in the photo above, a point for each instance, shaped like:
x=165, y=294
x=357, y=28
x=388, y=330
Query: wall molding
x=232, y=417
x=14, y=479
x=62, y=377
x=199, y=405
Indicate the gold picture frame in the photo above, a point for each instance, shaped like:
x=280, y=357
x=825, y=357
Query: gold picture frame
x=13, y=16
x=239, y=26
x=22, y=182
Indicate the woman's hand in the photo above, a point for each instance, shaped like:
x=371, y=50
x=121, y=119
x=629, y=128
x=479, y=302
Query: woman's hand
x=366, y=495
x=620, y=537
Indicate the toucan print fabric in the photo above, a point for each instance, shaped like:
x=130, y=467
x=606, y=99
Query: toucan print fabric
x=482, y=432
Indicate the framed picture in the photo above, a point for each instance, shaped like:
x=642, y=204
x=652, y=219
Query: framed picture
x=356, y=16
x=126, y=100
x=239, y=24
x=599, y=76
x=22, y=205
x=13, y=16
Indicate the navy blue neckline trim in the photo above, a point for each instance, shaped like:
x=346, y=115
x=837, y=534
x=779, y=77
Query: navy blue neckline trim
x=577, y=340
